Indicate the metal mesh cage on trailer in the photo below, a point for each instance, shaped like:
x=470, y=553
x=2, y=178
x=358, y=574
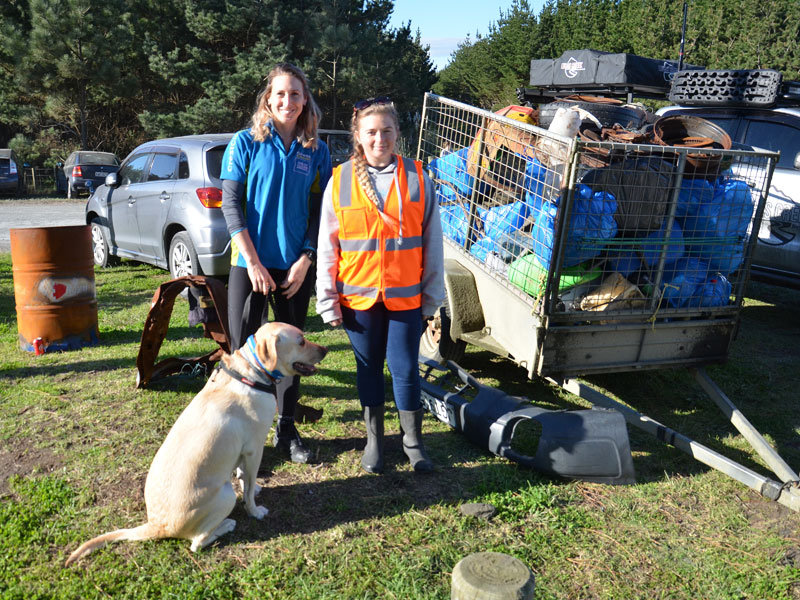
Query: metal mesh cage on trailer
x=589, y=255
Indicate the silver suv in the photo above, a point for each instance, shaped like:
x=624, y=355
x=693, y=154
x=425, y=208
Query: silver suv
x=776, y=258
x=163, y=208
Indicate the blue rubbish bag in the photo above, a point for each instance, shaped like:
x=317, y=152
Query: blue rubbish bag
x=591, y=225
x=715, y=219
x=453, y=179
x=716, y=291
x=682, y=281
x=540, y=185
x=628, y=259
x=501, y=227
x=690, y=284
x=455, y=220
x=504, y=219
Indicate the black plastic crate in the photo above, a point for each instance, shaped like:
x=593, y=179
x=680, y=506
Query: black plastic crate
x=746, y=87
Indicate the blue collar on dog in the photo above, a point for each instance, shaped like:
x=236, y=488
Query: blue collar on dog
x=251, y=356
x=251, y=346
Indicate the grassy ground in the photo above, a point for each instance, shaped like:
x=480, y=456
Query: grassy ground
x=76, y=440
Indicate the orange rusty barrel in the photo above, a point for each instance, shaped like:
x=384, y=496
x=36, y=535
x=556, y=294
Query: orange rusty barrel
x=54, y=287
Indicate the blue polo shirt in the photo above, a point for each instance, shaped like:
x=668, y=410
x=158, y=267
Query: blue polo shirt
x=281, y=190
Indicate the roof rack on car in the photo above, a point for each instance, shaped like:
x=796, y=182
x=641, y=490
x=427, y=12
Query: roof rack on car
x=539, y=95
x=593, y=72
x=628, y=76
x=789, y=94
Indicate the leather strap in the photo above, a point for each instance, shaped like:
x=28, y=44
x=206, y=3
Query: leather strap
x=262, y=387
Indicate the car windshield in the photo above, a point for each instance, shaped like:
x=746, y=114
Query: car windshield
x=97, y=158
x=778, y=137
x=214, y=161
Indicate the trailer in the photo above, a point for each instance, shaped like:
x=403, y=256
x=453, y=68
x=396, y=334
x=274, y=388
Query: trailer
x=573, y=254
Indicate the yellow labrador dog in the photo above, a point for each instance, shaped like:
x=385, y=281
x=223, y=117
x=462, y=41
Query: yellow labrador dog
x=188, y=491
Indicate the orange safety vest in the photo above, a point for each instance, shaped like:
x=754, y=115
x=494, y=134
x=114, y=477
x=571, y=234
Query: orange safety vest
x=378, y=260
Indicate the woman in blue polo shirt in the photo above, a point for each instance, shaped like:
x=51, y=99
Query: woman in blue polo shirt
x=280, y=169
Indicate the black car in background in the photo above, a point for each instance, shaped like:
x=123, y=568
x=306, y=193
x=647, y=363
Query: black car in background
x=86, y=170
x=11, y=182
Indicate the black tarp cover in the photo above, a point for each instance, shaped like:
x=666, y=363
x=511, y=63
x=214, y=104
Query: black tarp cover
x=592, y=68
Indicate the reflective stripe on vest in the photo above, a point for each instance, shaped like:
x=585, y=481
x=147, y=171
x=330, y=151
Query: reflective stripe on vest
x=375, y=260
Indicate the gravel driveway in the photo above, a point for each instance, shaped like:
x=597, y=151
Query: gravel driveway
x=37, y=213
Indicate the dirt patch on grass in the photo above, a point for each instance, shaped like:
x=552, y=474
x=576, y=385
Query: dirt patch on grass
x=20, y=458
x=771, y=517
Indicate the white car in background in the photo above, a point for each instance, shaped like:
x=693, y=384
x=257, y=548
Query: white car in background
x=776, y=257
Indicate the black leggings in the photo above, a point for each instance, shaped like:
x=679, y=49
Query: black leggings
x=247, y=311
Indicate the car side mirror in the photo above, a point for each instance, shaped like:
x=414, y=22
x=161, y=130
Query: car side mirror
x=111, y=180
x=797, y=161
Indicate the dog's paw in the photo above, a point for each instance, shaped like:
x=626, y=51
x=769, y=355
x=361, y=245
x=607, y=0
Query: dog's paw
x=259, y=512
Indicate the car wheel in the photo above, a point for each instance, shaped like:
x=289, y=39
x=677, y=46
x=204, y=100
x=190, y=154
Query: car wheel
x=182, y=256
x=436, y=342
x=101, y=250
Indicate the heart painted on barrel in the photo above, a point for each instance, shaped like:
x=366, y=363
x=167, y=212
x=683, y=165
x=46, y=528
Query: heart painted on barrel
x=59, y=289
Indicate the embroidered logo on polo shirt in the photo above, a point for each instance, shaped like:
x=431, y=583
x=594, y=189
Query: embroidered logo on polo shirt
x=302, y=163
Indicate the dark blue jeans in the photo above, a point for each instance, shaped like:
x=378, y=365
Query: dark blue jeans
x=377, y=335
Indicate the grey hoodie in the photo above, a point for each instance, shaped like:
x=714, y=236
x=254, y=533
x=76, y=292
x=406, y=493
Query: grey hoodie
x=328, y=247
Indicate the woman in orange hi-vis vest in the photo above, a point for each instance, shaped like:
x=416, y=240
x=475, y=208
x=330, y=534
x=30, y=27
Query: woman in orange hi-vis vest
x=380, y=271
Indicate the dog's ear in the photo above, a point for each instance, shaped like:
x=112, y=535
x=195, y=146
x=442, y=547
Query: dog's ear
x=268, y=351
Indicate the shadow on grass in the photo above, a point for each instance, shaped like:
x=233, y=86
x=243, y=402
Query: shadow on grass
x=310, y=507
x=671, y=397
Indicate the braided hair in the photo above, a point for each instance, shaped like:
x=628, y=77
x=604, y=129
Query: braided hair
x=358, y=159
x=307, y=122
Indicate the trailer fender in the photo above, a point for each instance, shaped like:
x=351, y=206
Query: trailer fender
x=466, y=313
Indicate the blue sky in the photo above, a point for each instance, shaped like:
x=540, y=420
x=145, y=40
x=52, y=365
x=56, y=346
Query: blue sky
x=444, y=23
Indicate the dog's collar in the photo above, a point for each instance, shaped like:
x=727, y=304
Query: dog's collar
x=251, y=347
x=262, y=387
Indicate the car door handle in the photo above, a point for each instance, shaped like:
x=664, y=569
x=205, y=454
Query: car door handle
x=131, y=200
x=164, y=196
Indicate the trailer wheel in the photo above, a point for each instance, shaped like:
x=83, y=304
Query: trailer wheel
x=436, y=343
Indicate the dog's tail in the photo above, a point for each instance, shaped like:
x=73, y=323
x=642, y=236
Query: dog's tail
x=143, y=532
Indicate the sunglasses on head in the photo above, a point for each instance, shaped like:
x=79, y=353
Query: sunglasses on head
x=362, y=104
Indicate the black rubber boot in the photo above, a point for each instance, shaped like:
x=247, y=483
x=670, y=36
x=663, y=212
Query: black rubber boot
x=372, y=460
x=411, y=424
x=289, y=442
